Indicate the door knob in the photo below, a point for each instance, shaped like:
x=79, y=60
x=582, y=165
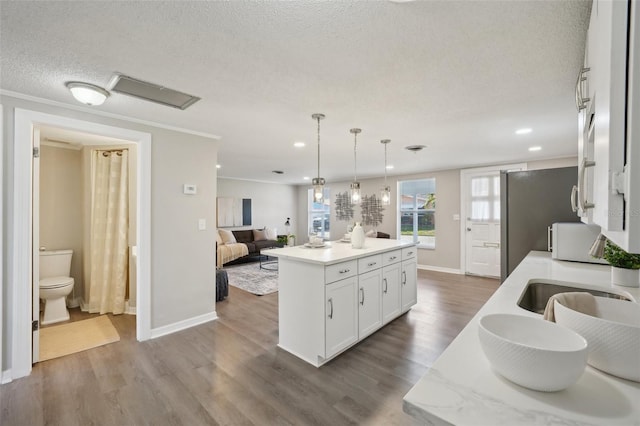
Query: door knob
x=468, y=229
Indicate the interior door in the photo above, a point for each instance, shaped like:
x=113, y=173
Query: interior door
x=35, y=241
x=483, y=224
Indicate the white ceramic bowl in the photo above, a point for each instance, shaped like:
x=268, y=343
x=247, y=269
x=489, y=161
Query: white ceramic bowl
x=532, y=352
x=613, y=335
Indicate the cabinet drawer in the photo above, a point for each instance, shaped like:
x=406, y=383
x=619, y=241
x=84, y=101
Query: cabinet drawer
x=369, y=263
x=409, y=253
x=391, y=257
x=339, y=271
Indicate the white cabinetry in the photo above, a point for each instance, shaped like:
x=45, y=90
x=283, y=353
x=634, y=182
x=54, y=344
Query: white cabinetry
x=609, y=144
x=409, y=279
x=342, y=316
x=327, y=305
x=369, y=303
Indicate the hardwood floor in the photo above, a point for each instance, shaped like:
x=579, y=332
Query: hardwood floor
x=230, y=372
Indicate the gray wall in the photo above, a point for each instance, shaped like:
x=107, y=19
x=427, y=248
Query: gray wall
x=182, y=258
x=271, y=203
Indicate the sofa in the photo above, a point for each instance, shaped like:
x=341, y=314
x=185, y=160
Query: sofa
x=244, y=243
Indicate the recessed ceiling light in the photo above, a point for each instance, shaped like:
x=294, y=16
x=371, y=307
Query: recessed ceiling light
x=535, y=148
x=218, y=166
x=523, y=131
x=298, y=144
x=306, y=178
x=390, y=166
x=88, y=94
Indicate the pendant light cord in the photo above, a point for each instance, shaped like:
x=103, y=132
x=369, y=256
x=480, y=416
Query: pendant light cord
x=355, y=142
x=318, y=148
x=385, y=165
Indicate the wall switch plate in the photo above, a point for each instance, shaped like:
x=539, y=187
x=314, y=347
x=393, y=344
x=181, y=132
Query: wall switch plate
x=456, y=216
x=202, y=224
x=189, y=189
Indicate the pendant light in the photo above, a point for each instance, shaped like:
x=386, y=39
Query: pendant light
x=385, y=193
x=356, y=197
x=318, y=182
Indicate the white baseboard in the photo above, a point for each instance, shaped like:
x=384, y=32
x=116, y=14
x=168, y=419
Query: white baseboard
x=5, y=377
x=441, y=269
x=183, y=325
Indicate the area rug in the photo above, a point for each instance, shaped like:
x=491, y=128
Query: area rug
x=249, y=277
x=66, y=339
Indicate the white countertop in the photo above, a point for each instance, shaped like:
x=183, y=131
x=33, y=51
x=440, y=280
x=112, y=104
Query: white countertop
x=337, y=251
x=462, y=389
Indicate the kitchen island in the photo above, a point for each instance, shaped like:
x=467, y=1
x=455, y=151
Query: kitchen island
x=331, y=297
x=462, y=389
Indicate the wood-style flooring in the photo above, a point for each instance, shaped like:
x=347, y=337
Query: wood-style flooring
x=230, y=372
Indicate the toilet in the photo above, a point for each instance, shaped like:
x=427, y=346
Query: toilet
x=55, y=284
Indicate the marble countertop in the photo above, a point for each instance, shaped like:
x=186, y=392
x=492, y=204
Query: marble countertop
x=337, y=251
x=462, y=389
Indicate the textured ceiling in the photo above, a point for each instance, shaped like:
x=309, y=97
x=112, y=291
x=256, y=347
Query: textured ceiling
x=458, y=76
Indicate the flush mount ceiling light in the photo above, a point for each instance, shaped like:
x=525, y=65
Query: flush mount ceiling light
x=415, y=148
x=151, y=92
x=385, y=193
x=318, y=182
x=298, y=144
x=535, y=148
x=88, y=94
x=523, y=131
x=355, y=185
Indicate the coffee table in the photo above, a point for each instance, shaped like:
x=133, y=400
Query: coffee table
x=268, y=263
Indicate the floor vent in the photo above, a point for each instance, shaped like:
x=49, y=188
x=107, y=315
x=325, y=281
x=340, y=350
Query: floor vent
x=151, y=92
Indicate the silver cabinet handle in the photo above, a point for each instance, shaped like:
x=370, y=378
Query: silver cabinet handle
x=392, y=258
x=371, y=263
x=385, y=285
x=404, y=277
x=583, y=204
x=549, y=237
x=486, y=244
x=410, y=253
x=574, y=193
x=344, y=271
x=362, y=292
x=581, y=103
x=331, y=311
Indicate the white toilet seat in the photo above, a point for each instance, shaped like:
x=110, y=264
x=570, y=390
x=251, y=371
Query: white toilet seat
x=55, y=282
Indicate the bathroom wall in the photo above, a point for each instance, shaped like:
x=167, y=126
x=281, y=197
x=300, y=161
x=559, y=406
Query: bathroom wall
x=61, y=206
x=86, y=191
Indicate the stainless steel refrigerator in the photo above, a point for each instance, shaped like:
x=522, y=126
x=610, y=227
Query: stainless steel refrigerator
x=530, y=201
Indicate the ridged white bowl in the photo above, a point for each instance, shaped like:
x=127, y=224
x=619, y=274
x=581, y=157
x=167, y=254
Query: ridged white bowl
x=613, y=335
x=532, y=352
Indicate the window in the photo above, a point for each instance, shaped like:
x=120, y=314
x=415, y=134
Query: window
x=319, y=214
x=485, y=198
x=417, y=210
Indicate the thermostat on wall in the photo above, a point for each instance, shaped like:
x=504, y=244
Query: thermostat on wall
x=189, y=189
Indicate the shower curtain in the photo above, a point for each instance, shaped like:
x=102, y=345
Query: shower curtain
x=109, y=231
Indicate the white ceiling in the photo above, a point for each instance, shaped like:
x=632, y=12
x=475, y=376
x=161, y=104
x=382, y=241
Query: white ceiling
x=458, y=76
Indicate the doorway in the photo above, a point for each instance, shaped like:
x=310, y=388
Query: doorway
x=63, y=221
x=480, y=224
x=24, y=336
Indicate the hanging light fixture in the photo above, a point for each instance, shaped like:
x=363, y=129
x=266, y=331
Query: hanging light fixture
x=385, y=193
x=318, y=182
x=88, y=94
x=355, y=185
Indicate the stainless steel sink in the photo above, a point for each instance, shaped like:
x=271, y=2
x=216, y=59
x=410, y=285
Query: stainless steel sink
x=537, y=292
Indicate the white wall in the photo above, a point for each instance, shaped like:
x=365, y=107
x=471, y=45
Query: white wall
x=271, y=203
x=182, y=257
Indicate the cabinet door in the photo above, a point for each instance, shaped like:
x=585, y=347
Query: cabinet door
x=341, y=315
x=409, y=280
x=390, y=292
x=369, y=302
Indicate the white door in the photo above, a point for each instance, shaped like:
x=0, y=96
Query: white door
x=483, y=224
x=35, y=241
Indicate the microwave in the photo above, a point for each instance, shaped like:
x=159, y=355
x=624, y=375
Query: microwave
x=572, y=241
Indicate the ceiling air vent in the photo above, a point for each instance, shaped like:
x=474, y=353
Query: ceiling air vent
x=151, y=92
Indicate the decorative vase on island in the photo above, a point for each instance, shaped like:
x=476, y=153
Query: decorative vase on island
x=625, y=277
x=357, y=236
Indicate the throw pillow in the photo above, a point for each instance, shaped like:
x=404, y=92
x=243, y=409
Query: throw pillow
x=259, y=235
x=227, y=236
x=272, y=233
x=218, y=238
